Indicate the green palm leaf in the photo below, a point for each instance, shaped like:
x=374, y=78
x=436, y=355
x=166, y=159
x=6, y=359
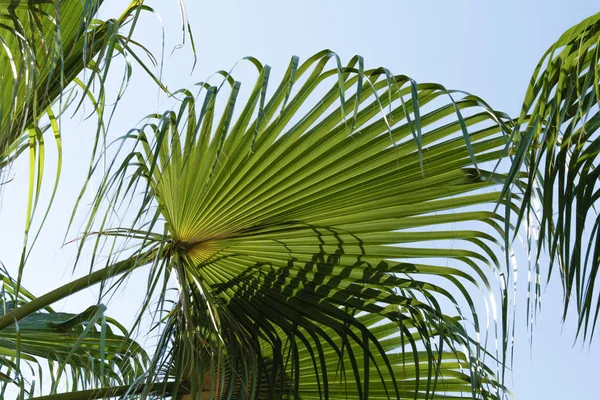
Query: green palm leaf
x=311, y=233
x=80, y=350
x=49, y=50
x=45, y=45
x=558, y=142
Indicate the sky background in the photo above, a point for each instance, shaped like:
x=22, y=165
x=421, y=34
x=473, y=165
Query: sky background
x=484, y=47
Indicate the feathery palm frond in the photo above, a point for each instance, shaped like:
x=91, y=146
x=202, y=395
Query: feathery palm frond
x=557, y=135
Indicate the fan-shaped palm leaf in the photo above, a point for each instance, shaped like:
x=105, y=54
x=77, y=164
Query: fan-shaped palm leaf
x=312, y=231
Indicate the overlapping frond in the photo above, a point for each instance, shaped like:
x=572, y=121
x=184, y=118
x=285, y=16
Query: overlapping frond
x=318, y=362
x=55, y=54
x=321, y=232
x=55, y=350
x=557, y=134
x=44, y=46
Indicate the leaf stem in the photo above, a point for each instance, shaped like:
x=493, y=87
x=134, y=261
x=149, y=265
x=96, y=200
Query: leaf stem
x=75, y=286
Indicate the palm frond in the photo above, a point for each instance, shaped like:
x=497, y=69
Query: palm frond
x=70, y=350
x=54, y=56
x=45, y=45
x=558, y=143
x=314, y=233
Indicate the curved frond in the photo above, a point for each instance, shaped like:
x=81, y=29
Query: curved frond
x=49, y=51
x=557, y=135
x=44, y=46
x=49, y=349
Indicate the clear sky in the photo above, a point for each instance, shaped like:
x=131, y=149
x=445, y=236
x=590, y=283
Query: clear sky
x=489, y=48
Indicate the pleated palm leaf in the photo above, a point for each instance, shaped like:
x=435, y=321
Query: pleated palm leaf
x=314, y=234
x=79, y=350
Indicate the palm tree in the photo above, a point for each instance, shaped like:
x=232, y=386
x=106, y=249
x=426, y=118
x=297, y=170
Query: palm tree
x=333, y=236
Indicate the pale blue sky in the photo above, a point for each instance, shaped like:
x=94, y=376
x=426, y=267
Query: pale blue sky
x=489, y=48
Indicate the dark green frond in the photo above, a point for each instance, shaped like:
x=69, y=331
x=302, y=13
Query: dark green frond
x=557, y=137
